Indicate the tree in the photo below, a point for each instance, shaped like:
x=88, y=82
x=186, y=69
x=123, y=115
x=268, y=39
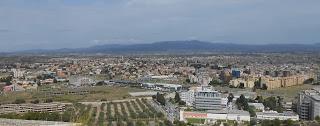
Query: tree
x=19, y=101
x=177, y=98
x=182, y=103
x=253, y=122
x=259, y=99
x=140, y=123
x=230, y=98
x=179, y=123
x=276, y=122
x=214, y=82
x=55, y=80
x=252, y=111
x=266, y=123
x=168, y=123
x=264, y=87
x=309, y=81
x=35, y=101
x=288, y=122
x=160, y=98
x=241, y=85
x=317, y=118
x=280, y=99
x=66, y=116
x=254, y=88
x=270, y=102
x=188, y=80
x=242, y=103
x=161, y=124
x=48, y=100
x=130, y=123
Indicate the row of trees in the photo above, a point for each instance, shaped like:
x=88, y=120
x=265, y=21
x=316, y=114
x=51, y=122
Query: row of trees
x=160, y=98
x=273, y=103
x=152, y=109
x=101, y=115
x=123, y=111
x=133, y=115
x=278, y=122
x=92, y=118
x=101, y=119
x=36, y=101
x=109, y=114
x=145, y=113
x=54, y=116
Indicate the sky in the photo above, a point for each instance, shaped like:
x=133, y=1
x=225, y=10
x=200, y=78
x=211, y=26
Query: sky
x=51, y=24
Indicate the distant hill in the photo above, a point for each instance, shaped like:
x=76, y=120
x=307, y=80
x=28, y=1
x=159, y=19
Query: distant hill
x=193, y=46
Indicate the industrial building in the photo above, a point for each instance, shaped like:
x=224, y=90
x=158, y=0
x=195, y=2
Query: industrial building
x=162, y=86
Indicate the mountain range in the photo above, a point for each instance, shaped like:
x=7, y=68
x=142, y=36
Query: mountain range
x=192, y=46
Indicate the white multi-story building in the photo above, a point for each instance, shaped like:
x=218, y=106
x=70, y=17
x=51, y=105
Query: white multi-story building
x=17, y=73
x=309, y=104
x=204, y=98
x=188, y=97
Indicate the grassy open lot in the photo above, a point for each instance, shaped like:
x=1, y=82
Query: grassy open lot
x=12, y=96
x=288, y=93
x=96, y=94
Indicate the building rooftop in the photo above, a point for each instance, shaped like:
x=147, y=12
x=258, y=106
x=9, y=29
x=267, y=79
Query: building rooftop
x=274, y=113
x=228, y=112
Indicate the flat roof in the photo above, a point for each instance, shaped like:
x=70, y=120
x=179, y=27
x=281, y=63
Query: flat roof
x=228, y=112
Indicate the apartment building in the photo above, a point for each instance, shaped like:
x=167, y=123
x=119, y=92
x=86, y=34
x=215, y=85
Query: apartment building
x=277, y=82
x=308, y=106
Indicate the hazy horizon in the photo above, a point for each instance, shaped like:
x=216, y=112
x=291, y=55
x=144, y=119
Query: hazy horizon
x=54, y=24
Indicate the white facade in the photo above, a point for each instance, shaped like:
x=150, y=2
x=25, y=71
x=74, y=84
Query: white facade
x=258, y=106
x=187, y=97
x=235, y=115
x=17, y=73
x=204, y=97
x=309, y=104
x=162, y=86
x=271, y=115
